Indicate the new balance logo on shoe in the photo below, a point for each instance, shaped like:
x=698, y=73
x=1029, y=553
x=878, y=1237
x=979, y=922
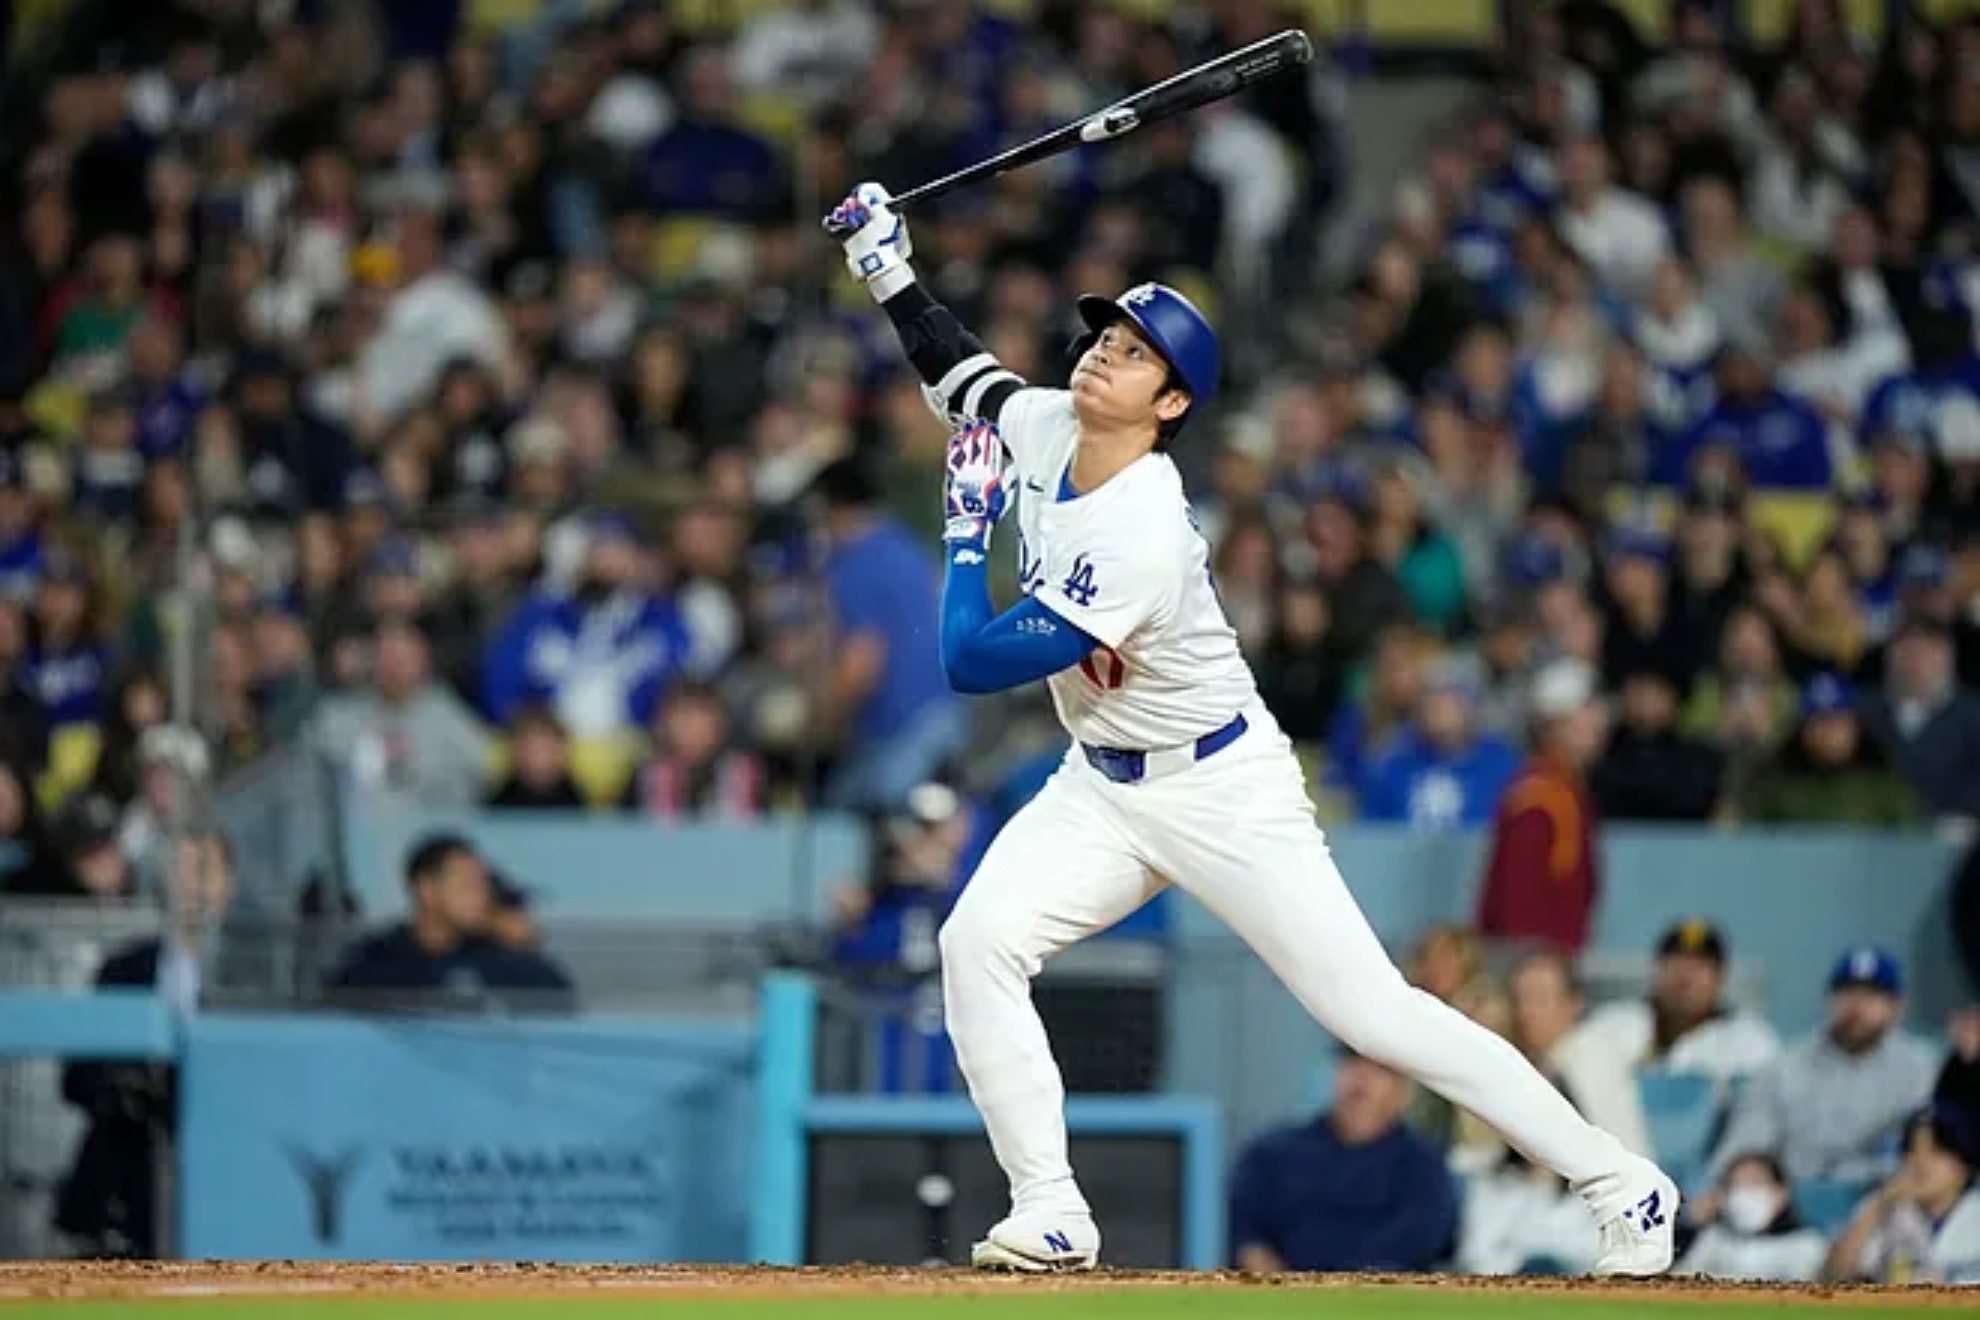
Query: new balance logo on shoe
x=1649, y=1212
x=1059, y=1242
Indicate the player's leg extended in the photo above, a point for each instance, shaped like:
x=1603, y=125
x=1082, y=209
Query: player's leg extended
x=1240, y=835
x=1060, y=871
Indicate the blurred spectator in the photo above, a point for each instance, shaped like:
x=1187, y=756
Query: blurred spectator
x=696, y=767
x=1548, y=1024
x=1930, y=727
x=447, y=954
x=1650, y=770
x=1752, y=1231
x=109, y=1199
x=884, y=935
x=900, y=722
x=600, y=655
x=1831, y=772
x=1686, y=1025
x=1363, y=596
x=1923, y=1225
x=404, y=732
x=1352, y=1190
x=1541, y=881
x=83, y=857
x=431, y=317
x=27, y=857
x=1449, y=962
x=66, y=661
x=539, y=765
x=1834, y=1106
x=1442, y=772
x=1369, y=727
x=1423, y=560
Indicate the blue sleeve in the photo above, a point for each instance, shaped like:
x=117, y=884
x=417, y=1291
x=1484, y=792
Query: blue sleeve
x=1876, y=417
x=1022, y=645
x=504, y=670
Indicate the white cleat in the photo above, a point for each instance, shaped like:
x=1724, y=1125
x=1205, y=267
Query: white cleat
x=1636, y=1212
x=1040, y=1243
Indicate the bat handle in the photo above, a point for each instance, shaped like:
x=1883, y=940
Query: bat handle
x=898, y=205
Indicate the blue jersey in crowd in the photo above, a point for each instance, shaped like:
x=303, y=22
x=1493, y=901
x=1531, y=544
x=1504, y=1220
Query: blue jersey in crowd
x=597, y=663
x=20, y=564
x=165, y=417
x=1780, y=441
x=1908, y=403
x=1415, y=783
x=885, y=584
x=68, y=683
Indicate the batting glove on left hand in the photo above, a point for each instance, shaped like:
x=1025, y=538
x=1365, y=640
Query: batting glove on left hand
x=875, y=240
x=973, y=493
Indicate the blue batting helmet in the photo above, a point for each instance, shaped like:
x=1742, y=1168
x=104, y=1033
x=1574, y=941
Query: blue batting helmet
x=1171, y=323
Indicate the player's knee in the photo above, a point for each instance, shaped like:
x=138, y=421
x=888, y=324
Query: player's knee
x=978, y=935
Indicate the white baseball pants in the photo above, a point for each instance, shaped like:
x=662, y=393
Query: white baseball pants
x=1237, y=832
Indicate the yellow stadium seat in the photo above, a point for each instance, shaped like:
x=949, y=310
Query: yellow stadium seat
x=675, y=244
x=1802, y=520
x=488, y=18
x=777, y=118
x=1470, y=24
x=1768, y=21
x=73, y=751
x=57, y=408
x=603, y=766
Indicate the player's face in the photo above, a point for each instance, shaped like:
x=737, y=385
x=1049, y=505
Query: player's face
x=1122, y=382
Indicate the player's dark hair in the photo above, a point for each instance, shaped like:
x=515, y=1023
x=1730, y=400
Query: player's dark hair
x=1166, y=432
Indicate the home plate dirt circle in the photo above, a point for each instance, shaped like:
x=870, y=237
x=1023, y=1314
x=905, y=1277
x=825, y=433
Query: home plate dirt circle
x=20, y=1280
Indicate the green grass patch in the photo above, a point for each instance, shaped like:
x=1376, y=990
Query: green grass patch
x=1082, y=1303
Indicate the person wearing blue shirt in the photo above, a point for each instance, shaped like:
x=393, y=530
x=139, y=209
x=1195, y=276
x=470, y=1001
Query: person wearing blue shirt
x=1354, y=1190
x=600, y=656
x=168, y=400
x=706, y=164
x=1781, y=443
x=886, y=932
x=66, y=664
x=21, y=550
x=1909, y=404
x=901, y=720
x=1441, y=773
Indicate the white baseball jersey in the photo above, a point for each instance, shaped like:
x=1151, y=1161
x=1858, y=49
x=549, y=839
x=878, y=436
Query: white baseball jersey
x=1126, y=565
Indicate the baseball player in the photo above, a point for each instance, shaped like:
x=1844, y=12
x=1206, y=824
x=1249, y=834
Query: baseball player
x=1178, y=772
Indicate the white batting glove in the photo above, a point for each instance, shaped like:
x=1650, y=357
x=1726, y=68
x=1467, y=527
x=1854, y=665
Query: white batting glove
x=875, y=239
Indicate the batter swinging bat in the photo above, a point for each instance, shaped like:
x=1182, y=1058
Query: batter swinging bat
x=1227, y=75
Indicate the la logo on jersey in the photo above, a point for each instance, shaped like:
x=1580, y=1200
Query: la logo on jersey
x=1079, y=586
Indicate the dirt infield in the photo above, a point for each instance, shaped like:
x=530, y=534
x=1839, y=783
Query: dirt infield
x=56, y=1279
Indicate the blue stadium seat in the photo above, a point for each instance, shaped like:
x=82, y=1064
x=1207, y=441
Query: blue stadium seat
x=1827, y=1203
x=1683, y=1112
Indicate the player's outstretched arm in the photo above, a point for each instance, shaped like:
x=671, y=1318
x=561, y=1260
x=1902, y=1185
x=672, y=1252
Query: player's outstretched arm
x=983, y=651
x=961, y=378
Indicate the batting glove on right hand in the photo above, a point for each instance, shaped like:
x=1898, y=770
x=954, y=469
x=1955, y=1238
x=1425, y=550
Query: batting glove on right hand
x=973, y=493
x=875, y=240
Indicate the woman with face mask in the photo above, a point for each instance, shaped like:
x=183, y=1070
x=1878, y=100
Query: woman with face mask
x=1753, y=1232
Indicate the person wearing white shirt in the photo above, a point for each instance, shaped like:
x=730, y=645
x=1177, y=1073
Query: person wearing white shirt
x=1923, y=1226
x=1751, y=1230
x=1619, y=234
x=1685, y=1026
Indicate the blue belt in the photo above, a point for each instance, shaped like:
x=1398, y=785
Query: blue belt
x=1132, y=767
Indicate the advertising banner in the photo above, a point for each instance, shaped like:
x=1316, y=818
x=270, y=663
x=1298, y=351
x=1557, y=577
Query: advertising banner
x=341, y=1138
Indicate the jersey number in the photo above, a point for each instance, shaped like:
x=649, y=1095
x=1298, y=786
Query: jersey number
x=1104, y=668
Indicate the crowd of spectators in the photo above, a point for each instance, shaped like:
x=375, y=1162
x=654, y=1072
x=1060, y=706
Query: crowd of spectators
x=1850, y=1154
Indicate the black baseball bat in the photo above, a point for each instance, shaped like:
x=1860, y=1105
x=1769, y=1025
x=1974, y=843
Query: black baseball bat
x=1213, y=80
